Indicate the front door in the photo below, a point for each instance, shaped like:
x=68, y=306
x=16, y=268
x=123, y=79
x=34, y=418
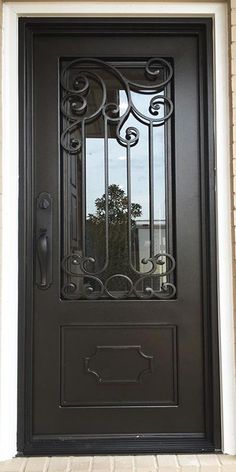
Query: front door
x=118, y=343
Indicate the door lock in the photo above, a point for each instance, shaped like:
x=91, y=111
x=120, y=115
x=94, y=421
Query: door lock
x=44, y=203
x=44, y=241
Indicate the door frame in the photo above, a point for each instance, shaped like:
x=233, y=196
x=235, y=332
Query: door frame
x=9, y=304
x=200, y=30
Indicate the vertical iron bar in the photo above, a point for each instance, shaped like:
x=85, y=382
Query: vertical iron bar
x=106, y=183
x=151, y=189
x=83, y=156
x=168, y=185
x=66, y=200
x=168, y=190
x=129, y=200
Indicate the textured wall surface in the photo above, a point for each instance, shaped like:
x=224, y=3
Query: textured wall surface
x=154, y=1
x=232, y=52
x=0, y=149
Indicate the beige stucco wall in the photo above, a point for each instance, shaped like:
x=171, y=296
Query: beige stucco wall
x=232, y=52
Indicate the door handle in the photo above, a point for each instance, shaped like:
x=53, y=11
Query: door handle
x=44, y=241
x=42, y=249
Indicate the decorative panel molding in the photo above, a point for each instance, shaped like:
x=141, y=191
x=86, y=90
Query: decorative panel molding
x=103, y=364
x=111, y=364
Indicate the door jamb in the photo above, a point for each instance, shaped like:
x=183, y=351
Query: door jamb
x=9, y=303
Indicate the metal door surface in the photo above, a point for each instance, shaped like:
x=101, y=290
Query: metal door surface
x=118, y=321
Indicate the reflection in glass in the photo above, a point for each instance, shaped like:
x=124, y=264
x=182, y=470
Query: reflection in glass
x=117, y=204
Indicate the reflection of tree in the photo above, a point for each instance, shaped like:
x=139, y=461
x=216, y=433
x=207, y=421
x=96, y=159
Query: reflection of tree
x=117, y=232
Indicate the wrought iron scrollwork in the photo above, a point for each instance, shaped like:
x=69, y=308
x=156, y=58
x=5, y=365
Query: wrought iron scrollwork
x=93, y=287
x=80, y=281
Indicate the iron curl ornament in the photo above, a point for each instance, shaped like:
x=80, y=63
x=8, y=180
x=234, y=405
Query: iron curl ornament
x=93, y=287
x=77, y=80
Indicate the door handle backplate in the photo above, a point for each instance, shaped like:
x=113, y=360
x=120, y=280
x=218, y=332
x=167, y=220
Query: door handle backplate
x=44, y=241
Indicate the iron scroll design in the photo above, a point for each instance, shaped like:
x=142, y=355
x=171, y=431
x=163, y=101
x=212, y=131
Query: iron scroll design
x=80, y=282
x=135, y=289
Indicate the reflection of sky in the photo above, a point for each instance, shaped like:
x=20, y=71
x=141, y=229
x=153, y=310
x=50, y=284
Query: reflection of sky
x=139, y=163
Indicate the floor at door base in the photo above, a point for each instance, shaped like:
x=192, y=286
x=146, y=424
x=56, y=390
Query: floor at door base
x=159, y=463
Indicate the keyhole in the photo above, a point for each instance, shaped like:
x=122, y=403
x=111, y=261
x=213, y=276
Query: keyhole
x=44, y=204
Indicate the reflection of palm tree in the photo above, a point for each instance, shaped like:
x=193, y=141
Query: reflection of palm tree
x=117, y=234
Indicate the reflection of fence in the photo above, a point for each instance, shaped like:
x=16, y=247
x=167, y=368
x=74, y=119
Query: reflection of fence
x=141, y=243
x=143, y=275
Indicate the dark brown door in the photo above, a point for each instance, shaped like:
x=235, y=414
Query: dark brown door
x=118, y=340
